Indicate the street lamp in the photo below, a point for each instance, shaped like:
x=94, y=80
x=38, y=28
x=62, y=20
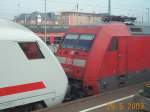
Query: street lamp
x=109, y=7
x=18, y=8
x=147, y=15
x=77, y=12
x=45, y=22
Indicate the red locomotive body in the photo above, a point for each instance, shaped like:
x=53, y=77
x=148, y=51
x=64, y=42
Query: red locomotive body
x=105, y=57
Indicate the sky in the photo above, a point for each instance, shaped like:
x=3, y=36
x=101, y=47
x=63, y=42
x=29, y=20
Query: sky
x=137, y=8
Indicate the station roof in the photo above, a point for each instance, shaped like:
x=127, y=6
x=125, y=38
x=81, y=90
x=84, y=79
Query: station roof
x=49, y=28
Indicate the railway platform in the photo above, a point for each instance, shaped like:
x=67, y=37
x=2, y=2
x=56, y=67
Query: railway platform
x=115, y=101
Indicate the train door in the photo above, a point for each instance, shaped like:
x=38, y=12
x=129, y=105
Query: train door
x=110, y=82
x=122, y=60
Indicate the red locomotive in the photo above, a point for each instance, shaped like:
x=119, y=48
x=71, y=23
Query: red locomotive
x=105, y=57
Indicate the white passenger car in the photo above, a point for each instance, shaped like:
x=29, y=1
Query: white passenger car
x=29, y=72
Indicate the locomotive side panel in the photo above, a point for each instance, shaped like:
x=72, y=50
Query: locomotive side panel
x=109, y=64
x=132, y=63
x=138, y=59
x=114, y=64
x=138, y=53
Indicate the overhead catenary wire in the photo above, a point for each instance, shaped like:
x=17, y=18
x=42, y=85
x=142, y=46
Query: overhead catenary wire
x=60, y=6
x=89, y=6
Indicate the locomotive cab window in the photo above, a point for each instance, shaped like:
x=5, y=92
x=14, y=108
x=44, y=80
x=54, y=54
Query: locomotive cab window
x=70, y=41
x=78, y=41
x=85, y=41
x=113, y=46
x=31, y=50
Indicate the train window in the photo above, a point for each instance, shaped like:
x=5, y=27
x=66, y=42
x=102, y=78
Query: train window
x=85, y=41
x=136, y=29
x=57, y=40
x=70, y=40
x=86, y=37
x=113, y=44
x=31, y=50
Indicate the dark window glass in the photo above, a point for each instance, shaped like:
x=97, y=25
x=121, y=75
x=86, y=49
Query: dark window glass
x=31, y=50
x=57, y=40
x=47, y=41
x=136, y=29
x=70, y=41
x=113, y=44
x=76, y=41
x=85, y=41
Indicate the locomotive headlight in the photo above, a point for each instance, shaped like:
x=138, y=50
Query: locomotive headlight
x=70, y=61
x=79, y=62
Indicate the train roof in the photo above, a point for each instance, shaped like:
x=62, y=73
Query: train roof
x=15, y=32
x=133, y=29
x=94, y=29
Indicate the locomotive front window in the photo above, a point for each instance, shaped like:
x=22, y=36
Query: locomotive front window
x=70, y=41
x=31, y=50
x=76, y=41
x=85, y=41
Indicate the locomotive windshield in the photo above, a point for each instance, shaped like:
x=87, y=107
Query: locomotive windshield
x=84, y=42
x=76, y=41
x=70, y=41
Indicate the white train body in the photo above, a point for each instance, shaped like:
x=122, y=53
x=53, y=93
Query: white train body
x=24, y=79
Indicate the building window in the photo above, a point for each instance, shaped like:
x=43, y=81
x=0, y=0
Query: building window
x=113, y=44
x=31, y=50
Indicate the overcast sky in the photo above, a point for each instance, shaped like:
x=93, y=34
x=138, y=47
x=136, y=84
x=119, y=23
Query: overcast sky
x=11, y=8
